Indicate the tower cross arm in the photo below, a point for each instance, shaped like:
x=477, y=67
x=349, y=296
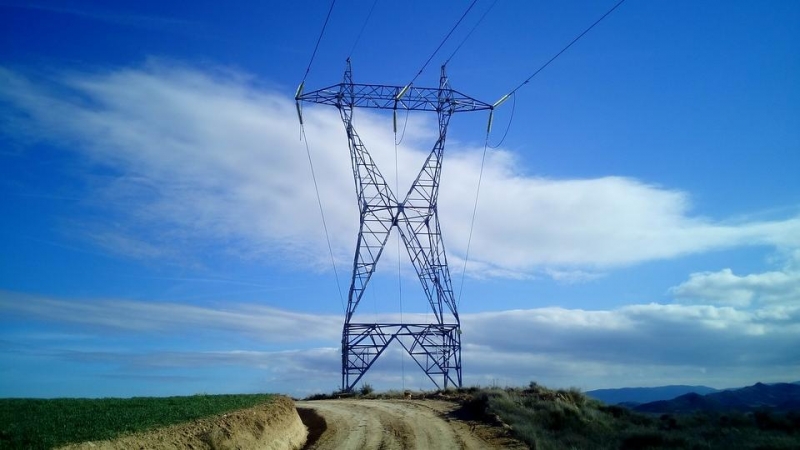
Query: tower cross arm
x=379, y=96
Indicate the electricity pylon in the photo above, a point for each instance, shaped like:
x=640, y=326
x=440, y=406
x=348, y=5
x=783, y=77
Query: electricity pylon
x=435, y=347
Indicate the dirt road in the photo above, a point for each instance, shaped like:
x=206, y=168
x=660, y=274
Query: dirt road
x=395, y=424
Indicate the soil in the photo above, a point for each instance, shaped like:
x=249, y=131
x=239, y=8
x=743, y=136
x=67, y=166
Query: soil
x=398, y=424
x=369, y=424
x=275, y=425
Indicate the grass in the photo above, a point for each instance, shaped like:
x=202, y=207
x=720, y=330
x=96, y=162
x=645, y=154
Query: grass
x=546, y=419
x=566, y=419
x=44, y=424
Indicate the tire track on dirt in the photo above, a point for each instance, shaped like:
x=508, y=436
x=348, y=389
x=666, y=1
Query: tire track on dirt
x=387, y=424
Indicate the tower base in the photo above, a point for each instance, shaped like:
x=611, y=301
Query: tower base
x=436, y=348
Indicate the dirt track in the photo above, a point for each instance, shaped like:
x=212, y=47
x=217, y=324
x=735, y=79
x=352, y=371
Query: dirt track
x=395, y=424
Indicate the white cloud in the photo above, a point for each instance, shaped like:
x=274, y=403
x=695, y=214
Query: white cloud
x=776, y=289
x=207, y=160
x=728, y=288
x=633, y=345
x=573, y=276
x=261, y=323
x=639, y=334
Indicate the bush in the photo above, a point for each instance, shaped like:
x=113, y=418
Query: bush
x=366, y=389
x=653, y=439
x=767, y=420
x=615, y=411
x=735, y=420
x=574, y=396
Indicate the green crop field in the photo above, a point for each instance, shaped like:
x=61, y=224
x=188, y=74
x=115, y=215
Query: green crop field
x=43, y=424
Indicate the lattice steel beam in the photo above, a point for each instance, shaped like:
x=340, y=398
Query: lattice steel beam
x=391, y=97
x=435, y=347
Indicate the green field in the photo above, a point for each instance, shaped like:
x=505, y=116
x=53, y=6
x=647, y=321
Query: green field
x=43, y=424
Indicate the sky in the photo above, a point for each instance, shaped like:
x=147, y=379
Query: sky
x=638, y=225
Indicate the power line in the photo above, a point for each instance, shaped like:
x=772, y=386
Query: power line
x=559, y=53
x=511, y=119
x=399, y=271
x=311, y=163
x=513, y=107
x=470, y=32
x=363, y=26
x=472, y=222
x=316, y=46
x=486, y=146
x=403, y=134
x=442, y=43
x=322, y=214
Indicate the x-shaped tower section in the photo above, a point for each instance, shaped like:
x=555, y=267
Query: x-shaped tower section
x=435, y=347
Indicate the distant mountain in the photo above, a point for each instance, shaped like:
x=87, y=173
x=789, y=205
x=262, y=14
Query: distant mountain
x=634, y=396
x=779, y=396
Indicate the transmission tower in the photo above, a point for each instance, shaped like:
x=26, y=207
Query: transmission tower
x=436, y=346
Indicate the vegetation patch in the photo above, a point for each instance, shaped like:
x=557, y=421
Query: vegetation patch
x=44, y=424
x=555, y=419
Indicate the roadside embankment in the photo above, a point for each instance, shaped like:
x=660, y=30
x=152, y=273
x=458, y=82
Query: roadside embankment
x=271, y=426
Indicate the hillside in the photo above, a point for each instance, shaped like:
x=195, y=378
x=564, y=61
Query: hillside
x=556, y=419
x=639, y=395
x=779, y=397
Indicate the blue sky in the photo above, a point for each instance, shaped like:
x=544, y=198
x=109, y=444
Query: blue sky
x=638, y=226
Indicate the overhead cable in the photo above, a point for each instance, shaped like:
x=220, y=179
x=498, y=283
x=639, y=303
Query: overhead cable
x=470, y=32
x=316, y=46
x=474, y=214
x=322, y=214
x=440, y=45
x=363, y=26
x=508, y=127
x=505, y=97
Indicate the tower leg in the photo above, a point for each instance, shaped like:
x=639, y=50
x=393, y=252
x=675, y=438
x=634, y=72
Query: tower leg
x=435, y=347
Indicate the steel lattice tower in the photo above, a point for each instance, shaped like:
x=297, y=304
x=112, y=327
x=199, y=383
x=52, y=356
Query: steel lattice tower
x=435, y=347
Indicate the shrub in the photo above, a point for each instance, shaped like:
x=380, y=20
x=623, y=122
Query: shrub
x=767, y=420
x=646, y=439
x=668, y=422
x=735, y=420
x=574, y=396
x=615, y=411
x=366, y=389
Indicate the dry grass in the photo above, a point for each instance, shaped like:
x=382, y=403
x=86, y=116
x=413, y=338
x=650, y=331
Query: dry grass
x=557, y=419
